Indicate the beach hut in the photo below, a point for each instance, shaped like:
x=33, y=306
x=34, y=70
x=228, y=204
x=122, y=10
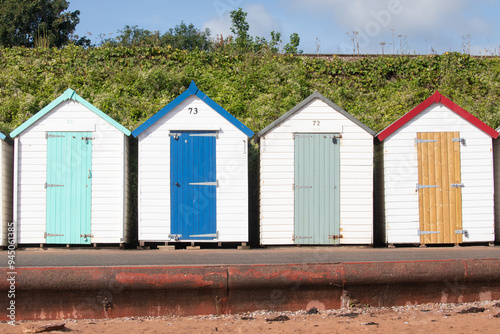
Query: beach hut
x=193, y=173
x=316, y=177
x=70, y=172
x=434, y=177
x=6, y=180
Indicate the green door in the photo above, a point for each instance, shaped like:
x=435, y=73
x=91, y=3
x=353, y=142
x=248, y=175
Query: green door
x=317, y=188
x=69, y=187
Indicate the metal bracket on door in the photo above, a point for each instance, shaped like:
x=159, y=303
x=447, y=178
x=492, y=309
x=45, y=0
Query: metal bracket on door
x=464, y=232
x=457, y=185
x=428, y=232
x=48, y=185
x=47, y=136
x=175, y=135
x=338, y=236
x=45, y=235
x=420, y=141
x=86, y=235
x=175, y=236
x=421, y=186
x=209, y=235
x=300, y=237
x=208, y=134
x=301, y=187
x=460, y=140
x=295, y=135
x=216, y=183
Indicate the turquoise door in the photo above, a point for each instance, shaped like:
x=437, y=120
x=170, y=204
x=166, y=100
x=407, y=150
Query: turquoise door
x=317, y=188
x=69, y=187
x=193, y=185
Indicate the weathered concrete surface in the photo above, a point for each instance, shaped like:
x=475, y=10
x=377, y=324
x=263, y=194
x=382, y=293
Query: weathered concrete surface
x=99, y=292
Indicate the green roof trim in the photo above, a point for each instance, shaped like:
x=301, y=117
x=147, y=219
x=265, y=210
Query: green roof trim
x=69, y=94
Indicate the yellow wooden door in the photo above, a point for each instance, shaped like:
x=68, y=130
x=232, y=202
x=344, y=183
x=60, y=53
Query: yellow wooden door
x=439, y=187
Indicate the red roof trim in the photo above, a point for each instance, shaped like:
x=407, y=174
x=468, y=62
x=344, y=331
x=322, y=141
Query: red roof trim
x=437, y=98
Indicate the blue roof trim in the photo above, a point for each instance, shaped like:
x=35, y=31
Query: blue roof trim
x=150, y=121
x=69, y=94
x=193, y=90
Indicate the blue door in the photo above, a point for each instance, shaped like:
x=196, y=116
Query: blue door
x=68, y=187
x=193, y=185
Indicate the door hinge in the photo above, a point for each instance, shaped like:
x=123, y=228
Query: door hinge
x=420, y=141
x=464, y=232
x=337, y=236
x=216, y=183
x=422, y=186
x=86, y=235
x=45, y=235
x=176, y=237
x=47, y=136
x=461, y=140
x=209, y=235
x=457, y=185
x=87, y=138
x=48, y=185
x=427, y=232
x=301, y=187
x=300, y=237
x=208, y=134
x=296, y=135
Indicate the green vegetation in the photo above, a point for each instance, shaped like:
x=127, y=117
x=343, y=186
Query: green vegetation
x=183, y=37
x=292, y=47
x=131, y=84
x=41, y=23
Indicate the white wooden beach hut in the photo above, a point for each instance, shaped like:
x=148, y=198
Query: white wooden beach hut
x=316, y=177
x=193, y=173
x=6, y=180
x=70, y=171
x=434, y=177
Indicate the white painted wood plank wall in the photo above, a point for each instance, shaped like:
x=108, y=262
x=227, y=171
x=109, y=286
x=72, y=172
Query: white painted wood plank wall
x=401, y=177
x=231, y=169
x=496, y=155
x=379, y=224
x=108, y=157
x=277, y=175
x=6, y=165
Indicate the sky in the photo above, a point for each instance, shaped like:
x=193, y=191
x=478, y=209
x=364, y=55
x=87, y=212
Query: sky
x=324, y=26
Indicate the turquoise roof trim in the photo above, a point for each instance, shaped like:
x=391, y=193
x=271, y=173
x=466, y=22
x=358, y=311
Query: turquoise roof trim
x=192, y=90
x=2, y=136
x=69, y=94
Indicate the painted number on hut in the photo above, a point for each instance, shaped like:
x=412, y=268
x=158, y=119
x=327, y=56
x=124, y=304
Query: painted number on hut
x=315, y=123
x=193, y=111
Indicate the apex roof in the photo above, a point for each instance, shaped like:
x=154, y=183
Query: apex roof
x=315, y=95
x=436, y=98
x=69, y=94
x=192, y=90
